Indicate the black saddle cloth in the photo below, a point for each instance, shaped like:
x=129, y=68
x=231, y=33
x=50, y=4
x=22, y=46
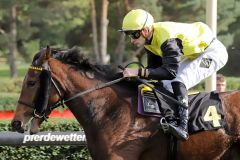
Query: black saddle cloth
x=205, y=110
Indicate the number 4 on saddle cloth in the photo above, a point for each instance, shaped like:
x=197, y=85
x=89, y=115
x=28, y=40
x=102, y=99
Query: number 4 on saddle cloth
x=205, y=109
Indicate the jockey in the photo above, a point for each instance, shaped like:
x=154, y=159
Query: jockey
x=179, y=54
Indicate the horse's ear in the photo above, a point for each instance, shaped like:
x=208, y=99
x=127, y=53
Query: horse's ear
x=48, y=52
x=44, y=56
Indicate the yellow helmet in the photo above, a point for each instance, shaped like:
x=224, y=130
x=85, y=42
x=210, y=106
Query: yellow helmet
x=136, y=20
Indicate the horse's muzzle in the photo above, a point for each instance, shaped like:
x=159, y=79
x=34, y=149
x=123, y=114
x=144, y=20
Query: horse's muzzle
x=17, y=126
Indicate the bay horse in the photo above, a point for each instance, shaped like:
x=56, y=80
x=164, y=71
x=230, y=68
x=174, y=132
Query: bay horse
x=113, y=129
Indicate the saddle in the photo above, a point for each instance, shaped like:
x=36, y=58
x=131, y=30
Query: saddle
x=205, y=109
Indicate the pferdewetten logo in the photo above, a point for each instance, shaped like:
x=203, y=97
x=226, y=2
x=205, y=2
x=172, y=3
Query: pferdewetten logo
x=73, y=137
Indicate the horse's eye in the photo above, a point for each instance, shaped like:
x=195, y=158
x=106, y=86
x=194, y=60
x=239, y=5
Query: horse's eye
x=31, y=83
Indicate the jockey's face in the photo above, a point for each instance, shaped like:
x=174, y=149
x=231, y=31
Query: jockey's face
x=138, y=42
x=145, y=33
x=136, y=37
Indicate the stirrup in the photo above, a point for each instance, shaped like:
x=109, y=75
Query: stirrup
x=164, y=124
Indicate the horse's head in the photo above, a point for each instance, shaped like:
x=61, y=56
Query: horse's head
x=34, y=101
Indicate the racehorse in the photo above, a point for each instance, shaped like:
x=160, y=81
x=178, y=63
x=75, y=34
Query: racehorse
x=108, y=115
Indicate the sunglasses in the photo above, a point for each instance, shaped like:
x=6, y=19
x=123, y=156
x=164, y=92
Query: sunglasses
x=134, y=34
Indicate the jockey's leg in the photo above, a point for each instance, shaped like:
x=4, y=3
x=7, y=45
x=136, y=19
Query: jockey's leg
x=180, y=131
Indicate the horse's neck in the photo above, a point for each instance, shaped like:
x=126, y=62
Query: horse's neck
x=102, y=108
x=107, y=110
x=108, y=117
x=93, y=104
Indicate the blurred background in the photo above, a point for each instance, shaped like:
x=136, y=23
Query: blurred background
x=26, y=26
x=29, y=25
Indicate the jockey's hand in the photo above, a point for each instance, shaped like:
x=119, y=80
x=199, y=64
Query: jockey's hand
x=130, y=72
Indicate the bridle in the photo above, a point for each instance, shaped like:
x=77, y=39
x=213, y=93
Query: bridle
x=62, y=100
x=32, y=105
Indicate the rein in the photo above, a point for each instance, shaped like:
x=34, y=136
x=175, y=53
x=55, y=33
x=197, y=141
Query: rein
x=103, y=85
x=99, y=86
x=61, y=102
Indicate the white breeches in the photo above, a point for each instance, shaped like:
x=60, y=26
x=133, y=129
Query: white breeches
x=191, y=72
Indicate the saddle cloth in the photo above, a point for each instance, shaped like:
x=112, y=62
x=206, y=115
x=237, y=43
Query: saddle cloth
x=205, y=109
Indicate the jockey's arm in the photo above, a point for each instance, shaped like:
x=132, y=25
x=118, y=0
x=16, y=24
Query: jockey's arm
x=172, y=52
x=153, y=61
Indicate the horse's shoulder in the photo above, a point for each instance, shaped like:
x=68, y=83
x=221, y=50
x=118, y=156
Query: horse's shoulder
x=229, y=94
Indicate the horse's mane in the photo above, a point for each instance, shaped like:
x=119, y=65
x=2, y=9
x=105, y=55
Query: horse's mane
x=79, y=61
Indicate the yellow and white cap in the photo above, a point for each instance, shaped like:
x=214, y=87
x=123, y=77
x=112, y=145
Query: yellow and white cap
x=136, y=19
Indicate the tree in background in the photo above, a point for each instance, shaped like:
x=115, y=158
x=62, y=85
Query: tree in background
x=104, y=57
x=10, y=34
x=229, y=32
x=13, y=40
x=100, y=49
x=94, y=30
x=64, y=24
x=28, y=25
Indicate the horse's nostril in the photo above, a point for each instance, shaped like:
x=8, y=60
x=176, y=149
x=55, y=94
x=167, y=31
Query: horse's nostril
x=17, y=126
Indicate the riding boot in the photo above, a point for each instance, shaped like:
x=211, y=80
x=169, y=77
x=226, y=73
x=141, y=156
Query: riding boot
x=181, y=130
